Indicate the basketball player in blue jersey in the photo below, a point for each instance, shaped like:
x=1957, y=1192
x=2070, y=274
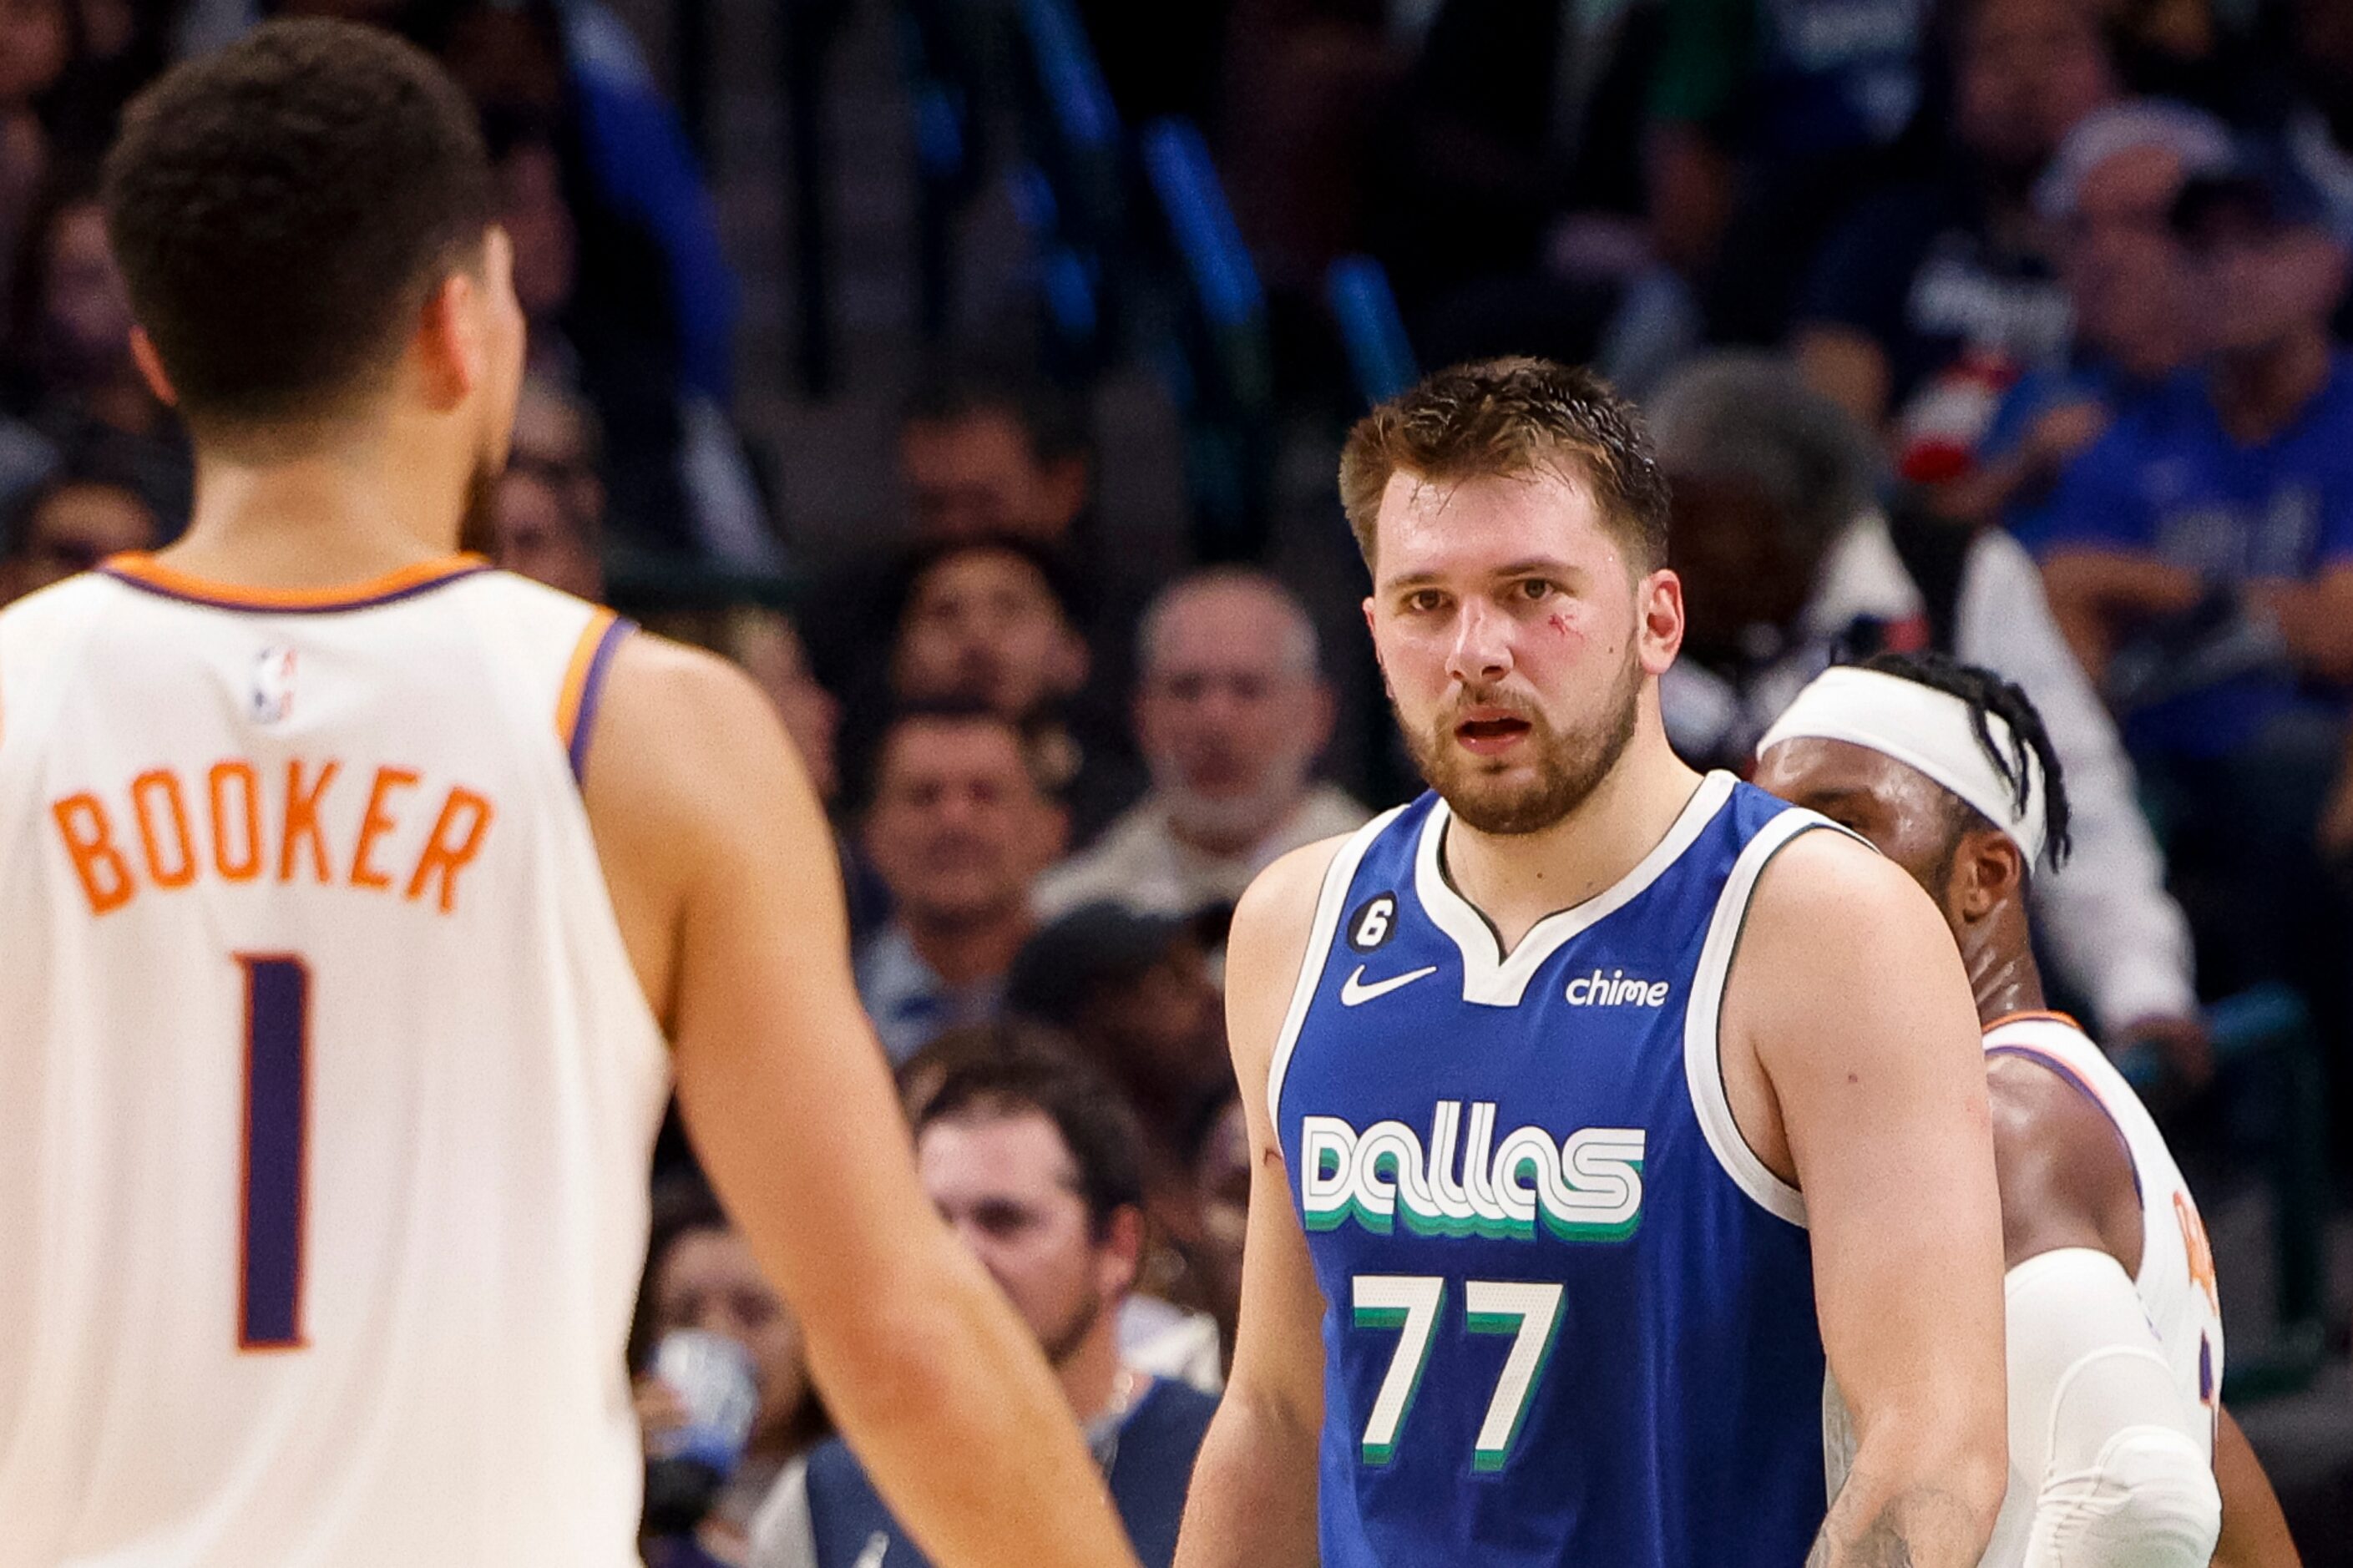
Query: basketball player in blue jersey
x=1589, y=1177
x=2121, y=1453
x=363, y=904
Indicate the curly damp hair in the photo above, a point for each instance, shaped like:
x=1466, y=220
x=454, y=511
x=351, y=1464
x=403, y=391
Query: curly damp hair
x=1987, y=693
x=283, y=208
x=1512, y=417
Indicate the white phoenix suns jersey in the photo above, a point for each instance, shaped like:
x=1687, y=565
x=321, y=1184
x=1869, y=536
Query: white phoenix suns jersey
x=2176, y=1282
x=327, y=1090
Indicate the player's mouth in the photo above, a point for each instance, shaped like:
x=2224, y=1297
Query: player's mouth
x=1489, y=731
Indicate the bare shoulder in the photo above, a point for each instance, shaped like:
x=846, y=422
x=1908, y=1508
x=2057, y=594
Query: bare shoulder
x=2065, y=1178
x=1829, y=905
x=1266, y=946
x=683, y=734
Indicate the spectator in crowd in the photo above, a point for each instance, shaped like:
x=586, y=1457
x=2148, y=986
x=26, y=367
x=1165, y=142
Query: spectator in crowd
x=1789, y=562
x=77, y=385
x=1765, y=120
x=1155, y=1334
x=765, y=644
x=36, y=43
x=1031, y=1160
x=959, y=828
x=1232, y=712
x=1934, y=296
x=769, y=647
x=1133, y=994
x=69, y=523
x=1221, y=1183
x=983, y=456
x=701, y=1276
x=2110, y=195
x=2200, y=557
x=991, y=621
x=548, y=518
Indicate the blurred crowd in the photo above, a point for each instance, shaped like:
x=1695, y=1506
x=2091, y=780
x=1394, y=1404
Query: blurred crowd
x=2016, y=328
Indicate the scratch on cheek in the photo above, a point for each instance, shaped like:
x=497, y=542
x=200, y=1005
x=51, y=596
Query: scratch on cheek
x=1560, y=622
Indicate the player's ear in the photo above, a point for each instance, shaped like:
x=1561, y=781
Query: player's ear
x=448, y=343
x=151, y=368
x=1121, y=1252
x=1660, y=600
x=1988, y=872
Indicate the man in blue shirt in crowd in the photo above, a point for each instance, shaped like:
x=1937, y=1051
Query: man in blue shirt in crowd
x=2200, y=559
x=1032, y=1159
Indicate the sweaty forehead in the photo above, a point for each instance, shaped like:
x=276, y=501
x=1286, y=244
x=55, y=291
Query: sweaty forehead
x=1813, y=771
x=1480, y=524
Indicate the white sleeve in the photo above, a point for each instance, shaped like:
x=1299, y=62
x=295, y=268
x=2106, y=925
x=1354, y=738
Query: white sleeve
x=2116, y=936
x=2098, y=1427
x=782, y=1534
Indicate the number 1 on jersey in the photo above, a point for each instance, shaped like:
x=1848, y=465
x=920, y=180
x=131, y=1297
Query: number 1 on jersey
x=276, y=1125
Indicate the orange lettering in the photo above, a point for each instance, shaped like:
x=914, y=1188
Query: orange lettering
x=303, y=822
x=2201, y=1254
x=376, y=824
x=249, y=864
x=93, y=850
x=143, y=790
x=444, y=852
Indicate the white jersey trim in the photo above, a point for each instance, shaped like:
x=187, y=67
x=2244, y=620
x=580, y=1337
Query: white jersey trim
x=1329, y=906
x=1703, y=1046
x=1491, y=979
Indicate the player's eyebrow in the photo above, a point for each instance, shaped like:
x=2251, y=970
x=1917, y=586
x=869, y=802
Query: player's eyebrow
x=1531, y=566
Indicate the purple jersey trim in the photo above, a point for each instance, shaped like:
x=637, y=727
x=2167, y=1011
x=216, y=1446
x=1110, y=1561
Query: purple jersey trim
x=592, y=688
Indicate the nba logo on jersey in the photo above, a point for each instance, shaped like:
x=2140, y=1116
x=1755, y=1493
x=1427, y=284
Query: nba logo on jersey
x=274, y=684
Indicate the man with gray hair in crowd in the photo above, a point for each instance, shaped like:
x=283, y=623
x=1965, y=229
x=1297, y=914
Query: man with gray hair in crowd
x=1790, y=560
x=1231, y=710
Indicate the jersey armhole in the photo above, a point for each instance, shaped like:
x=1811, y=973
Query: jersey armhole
x=1337, y=876
x=1703, y=1020
x=584, y=686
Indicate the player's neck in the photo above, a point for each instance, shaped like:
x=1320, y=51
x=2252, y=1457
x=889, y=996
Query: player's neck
x=1516, y=880
x=1089, y=1373
x=323, y=519
x=966, y=950
x=2003, y=976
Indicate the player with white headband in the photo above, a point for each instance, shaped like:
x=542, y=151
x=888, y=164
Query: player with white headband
x=2116, y=1432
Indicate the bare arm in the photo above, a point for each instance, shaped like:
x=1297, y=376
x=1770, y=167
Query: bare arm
x=1874, y=1102
x=2316, y=618
x=722, y=871
x=2097, y=595
x=2254, y=1532
x=1253, y=1495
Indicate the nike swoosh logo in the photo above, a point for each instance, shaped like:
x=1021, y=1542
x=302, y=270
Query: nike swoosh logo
x=878, y=1547
x=1356, y=992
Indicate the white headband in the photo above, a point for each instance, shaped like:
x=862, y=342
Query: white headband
x=1922, y=728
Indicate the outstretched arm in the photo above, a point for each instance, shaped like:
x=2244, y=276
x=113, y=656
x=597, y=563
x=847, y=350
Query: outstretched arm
x=724, y=873
x=1873, y=1100
x=1252, y=1503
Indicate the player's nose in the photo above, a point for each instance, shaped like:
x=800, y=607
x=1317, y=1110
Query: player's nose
x=1482, y=649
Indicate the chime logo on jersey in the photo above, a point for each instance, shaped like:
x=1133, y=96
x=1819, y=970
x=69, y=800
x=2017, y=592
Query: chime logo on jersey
x=1467, y=1181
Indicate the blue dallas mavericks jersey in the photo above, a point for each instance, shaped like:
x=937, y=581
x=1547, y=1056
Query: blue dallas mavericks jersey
x=1570, y=1315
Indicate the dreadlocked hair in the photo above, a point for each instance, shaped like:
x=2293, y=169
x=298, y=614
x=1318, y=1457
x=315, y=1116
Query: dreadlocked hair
x=1987, y=693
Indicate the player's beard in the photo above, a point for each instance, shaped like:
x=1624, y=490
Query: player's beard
x=1567, y=764
x=1063, y=1343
